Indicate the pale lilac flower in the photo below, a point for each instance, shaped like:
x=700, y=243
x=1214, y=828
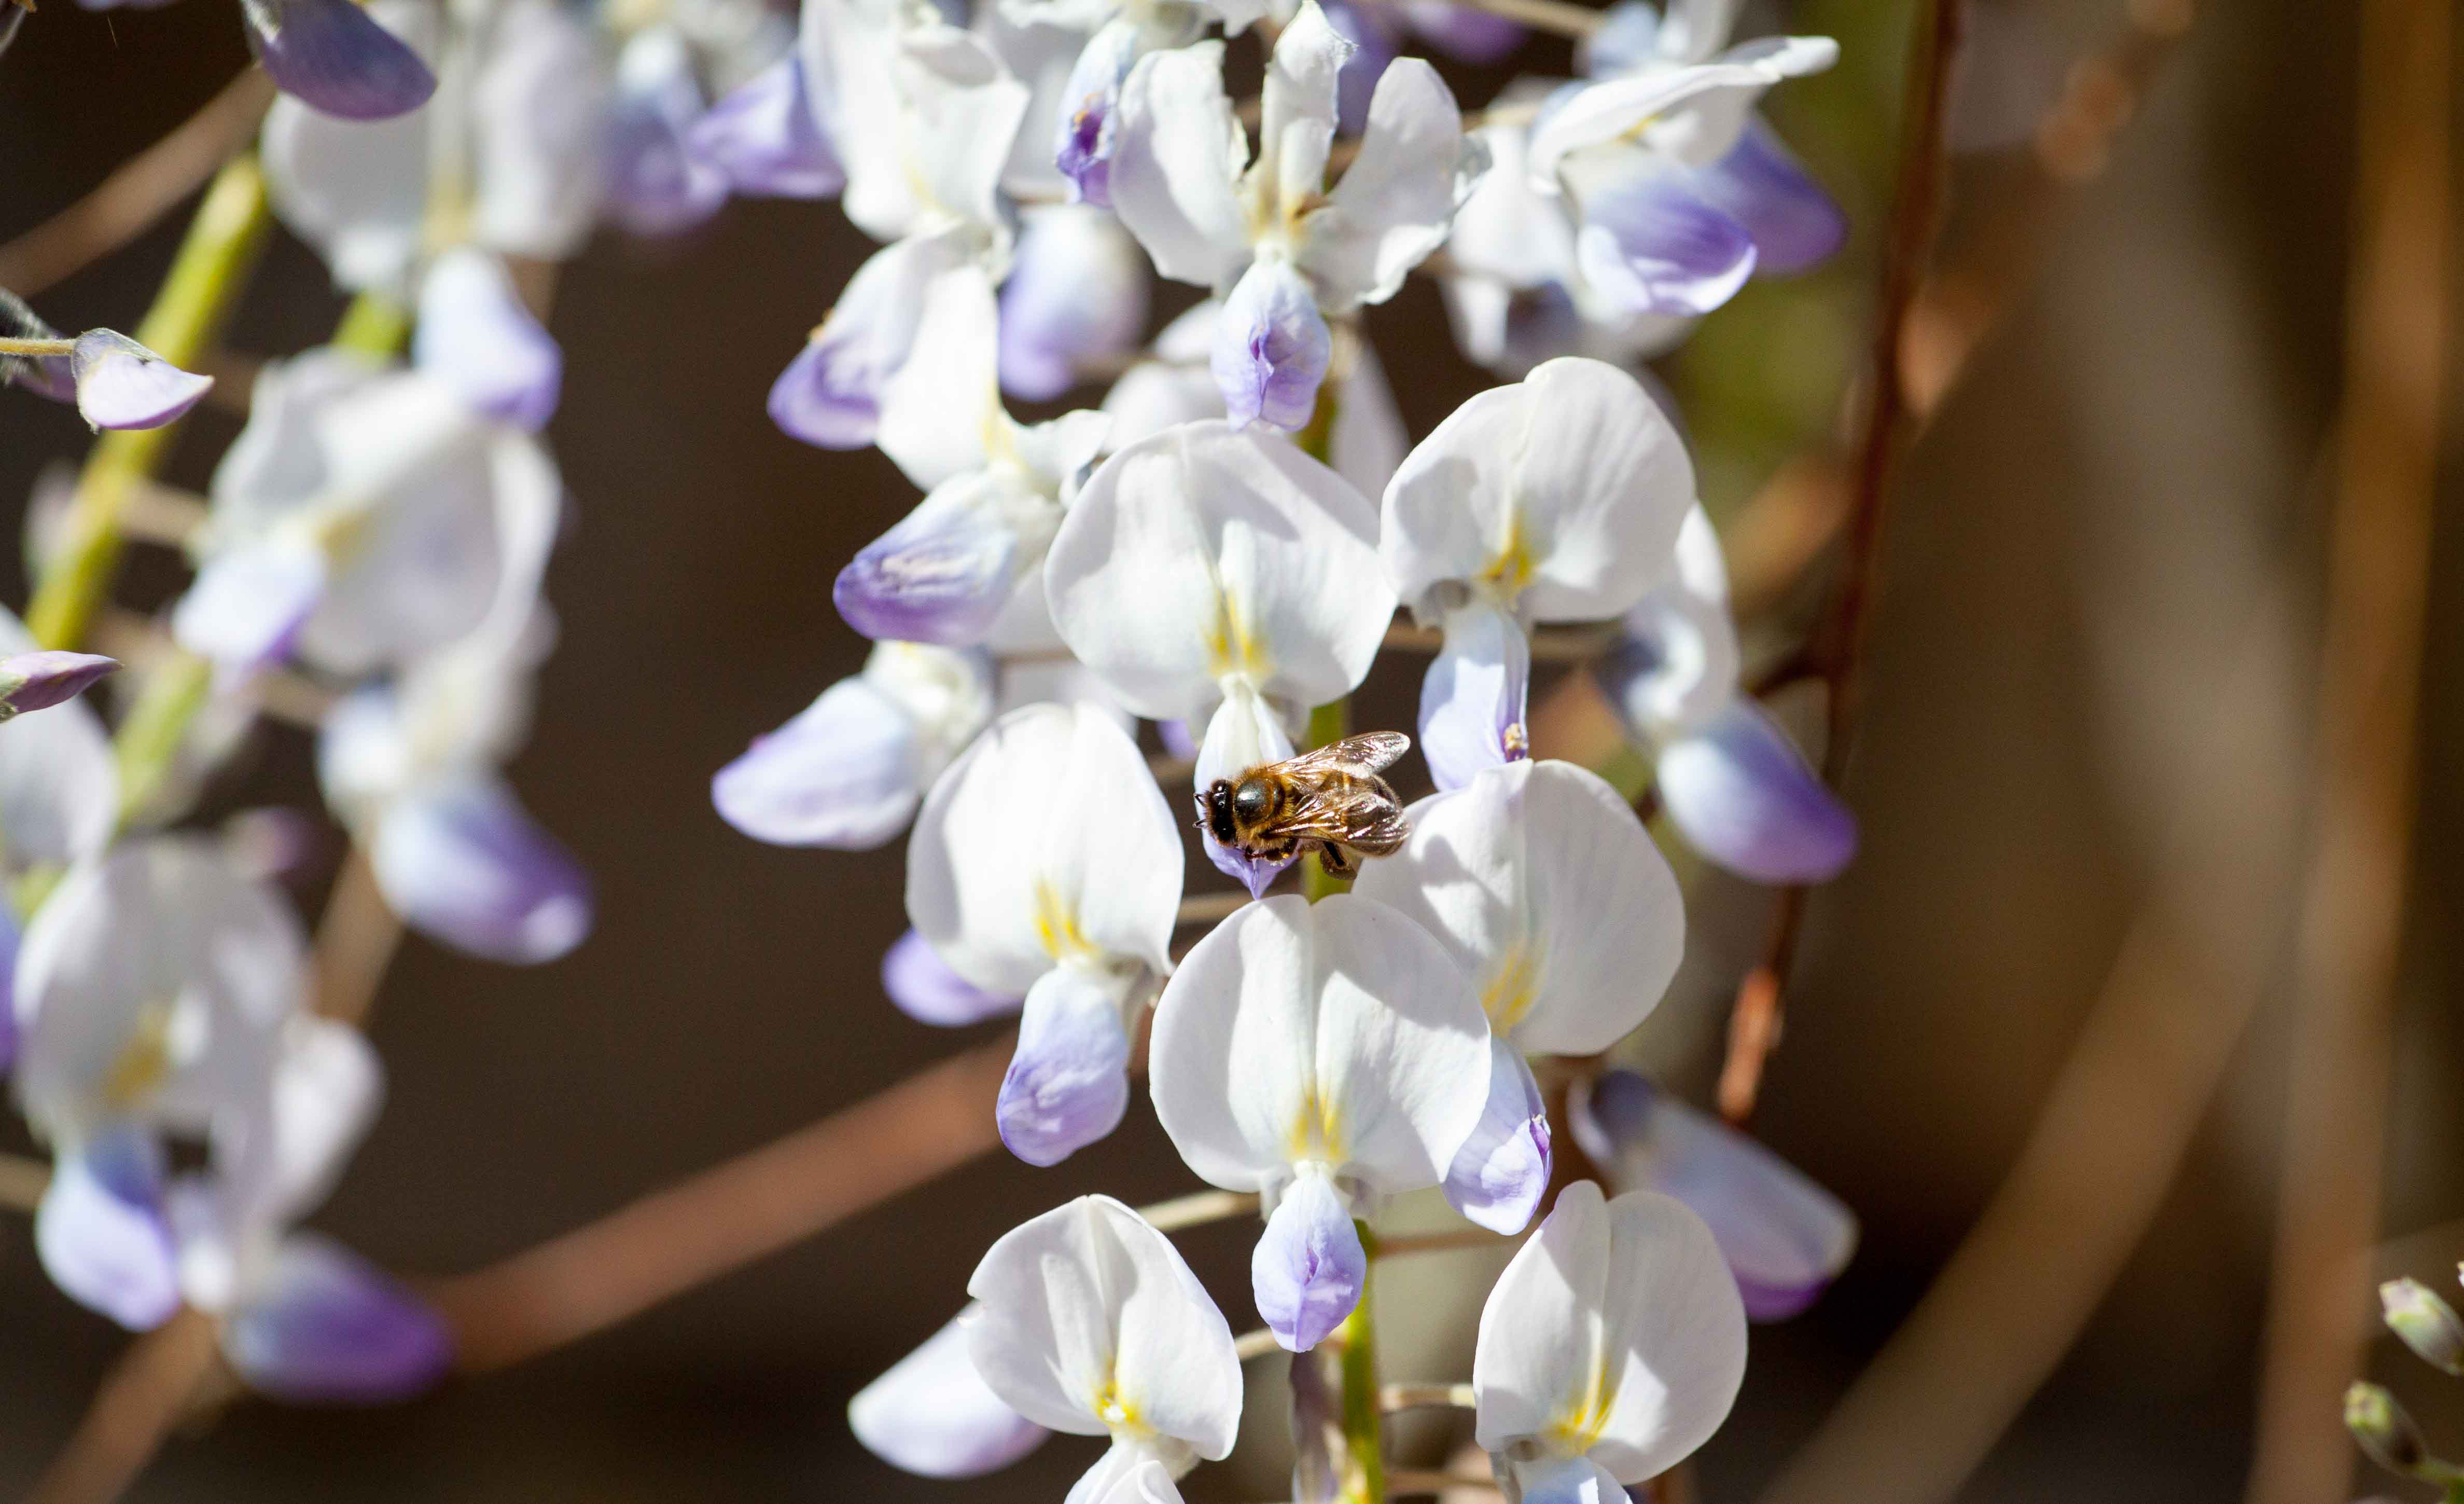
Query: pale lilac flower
x=1732, y=781
x=151, y=993
x=1785, y=1237
x=961, y=569
x=764, y=138
x=325, y=1326
x=1550, y=896
x=331, y=55
x=850, y=769
x=1610, y=1349
x=1327, y=1057
x=921, y=985
x=1223, y=578
x=1045, y=864
x=1678, y=195
x=656, y=183
x=1084, y=125
x=1558, y=499
x=922, y=115
x=1088, y=1323
x=356, y=519
x=476, y=335
x=1266, y=233
x=931, y=1414
x=357, y=190
x=1076, y=295
x=41, y=679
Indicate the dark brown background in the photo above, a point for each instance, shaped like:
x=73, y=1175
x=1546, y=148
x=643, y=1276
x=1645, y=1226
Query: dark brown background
x=2158, y=403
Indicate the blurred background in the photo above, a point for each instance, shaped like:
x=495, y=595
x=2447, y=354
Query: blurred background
x=2090, y=696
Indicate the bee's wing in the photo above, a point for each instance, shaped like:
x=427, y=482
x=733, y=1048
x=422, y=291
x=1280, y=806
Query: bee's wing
x=1360, y=815
x=1364, y=756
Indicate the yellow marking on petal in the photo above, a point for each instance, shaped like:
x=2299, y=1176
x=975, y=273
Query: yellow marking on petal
x=1317, y=1129
x=1577, y=1429
x=1513, y=986
x=1512, y=566
x=143, y=1061
x=1056, y=926
x=1115, y=1411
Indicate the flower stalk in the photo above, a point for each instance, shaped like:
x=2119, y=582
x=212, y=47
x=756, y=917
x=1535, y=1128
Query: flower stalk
x=1364, y=1427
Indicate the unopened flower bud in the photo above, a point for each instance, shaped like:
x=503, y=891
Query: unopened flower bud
x=41, y=679
x=2426, y=1324
x=2381, y=1429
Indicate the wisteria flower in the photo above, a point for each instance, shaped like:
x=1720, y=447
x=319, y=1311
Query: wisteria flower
x=1552, y=897
x=963, y=568
x=1222, y=578
x=1785, y=1237
x=1610, y=1349
x=1557, y=498
x=152, y=990
x=1076, y=297
x=355, y=520
x=333, y=57
x=1732, y=781
x=1045, y=864
x=765, y=137
x=850, y=769
x=1326, y=1057
x=412, y=764
x=532, y=115
x=40, y=680
x=657, y=185
x=115, y=381
x=1087, y=123
x=475, y=335
x=923, y=115
x=60, y=785
x=932, y=1413
x=1678, y=192
x=1088, y=1322
x=1266, y=233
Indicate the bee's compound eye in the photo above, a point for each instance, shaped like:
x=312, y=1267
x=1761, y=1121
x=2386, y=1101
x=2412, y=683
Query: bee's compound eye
x=1253, y=800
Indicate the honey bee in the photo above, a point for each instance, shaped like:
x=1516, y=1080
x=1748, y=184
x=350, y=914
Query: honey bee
x=1331, y=800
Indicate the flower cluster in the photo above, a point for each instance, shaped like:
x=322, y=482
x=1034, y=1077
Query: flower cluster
x=1219, y=545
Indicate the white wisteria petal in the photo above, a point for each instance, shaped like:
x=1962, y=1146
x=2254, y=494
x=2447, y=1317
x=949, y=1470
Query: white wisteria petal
x=1309, y=1268
x=941, y=413
x=1547, y=891
x=1693, y=113
x=1396, y=201
x=357, y=190
x=1615, y=1335
x=153, y=985
x=963, y=109
x=539, y=102
x=1675, y=665
x=1179, y=154
x=1076, y=297
x=1088, y=1322
x=1559, y=497
x=463, y=863
x=1207, y=553
x=850, y=769
x=476, y=336
x=1271, y=347
x=830, y=394
x=1047, y=843
x=1297, y=104
x=1369, y=440
x=931, y=1413
x=1337, y=1033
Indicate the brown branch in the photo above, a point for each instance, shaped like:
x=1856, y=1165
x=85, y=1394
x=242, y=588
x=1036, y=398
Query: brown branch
x=140, y=1398
x=356, y=940
x=143, y=190
x=2353, y=890
x=727, y=1216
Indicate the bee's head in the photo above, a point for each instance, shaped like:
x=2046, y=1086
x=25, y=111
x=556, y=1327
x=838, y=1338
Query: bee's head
x=1216, y=808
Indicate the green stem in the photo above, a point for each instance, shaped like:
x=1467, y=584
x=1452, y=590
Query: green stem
x=1364, y=1434
x=1331, y=722
x=374, y=324
x=205, y=281
x=149, y=740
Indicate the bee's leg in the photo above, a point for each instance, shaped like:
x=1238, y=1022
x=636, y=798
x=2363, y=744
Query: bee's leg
x=1337, y=862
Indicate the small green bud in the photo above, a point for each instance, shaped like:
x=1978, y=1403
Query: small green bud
x=2426, y=1324
x=2381, y=1429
